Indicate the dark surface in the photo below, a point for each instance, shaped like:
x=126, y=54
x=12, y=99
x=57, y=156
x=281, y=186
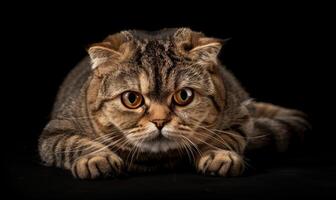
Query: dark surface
x=271, y=52
x=304, y=174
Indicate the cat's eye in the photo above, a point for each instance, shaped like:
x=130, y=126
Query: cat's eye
x=132, y=99
x=183, y=97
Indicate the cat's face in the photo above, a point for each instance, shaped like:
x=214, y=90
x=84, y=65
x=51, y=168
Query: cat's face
x=160, y=92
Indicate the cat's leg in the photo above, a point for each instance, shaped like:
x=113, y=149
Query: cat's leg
x=60, y=145
x=220, y=163
x=275, y=126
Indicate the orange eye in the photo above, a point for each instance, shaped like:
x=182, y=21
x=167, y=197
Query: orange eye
x=132, y=100
x=183, y=97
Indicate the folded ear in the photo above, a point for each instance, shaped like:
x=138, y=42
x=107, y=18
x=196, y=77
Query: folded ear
x=114, y=48
x=197, y=46
x=206, y=49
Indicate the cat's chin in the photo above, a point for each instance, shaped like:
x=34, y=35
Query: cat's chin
x=158, y=146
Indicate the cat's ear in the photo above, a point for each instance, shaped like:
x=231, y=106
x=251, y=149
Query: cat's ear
x=99, y=54
x=206, y=49
x=114, y=48
x=197, y=46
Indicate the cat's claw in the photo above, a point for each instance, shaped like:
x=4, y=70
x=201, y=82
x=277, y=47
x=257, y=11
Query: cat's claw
x=221, y=163
x=98, y=165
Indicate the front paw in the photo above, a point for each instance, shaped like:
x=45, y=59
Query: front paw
x=97, y=165
x=221, y=163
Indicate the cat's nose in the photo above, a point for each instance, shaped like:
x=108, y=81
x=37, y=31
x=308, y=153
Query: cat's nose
x=159, y=114
x=159, y=123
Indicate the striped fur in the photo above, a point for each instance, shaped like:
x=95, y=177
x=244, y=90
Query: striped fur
x=276, y=126
x=93, y=134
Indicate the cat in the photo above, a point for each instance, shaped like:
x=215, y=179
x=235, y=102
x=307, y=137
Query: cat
x=143, y=101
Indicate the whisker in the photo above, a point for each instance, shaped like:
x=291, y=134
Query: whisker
x=191, y=151
x=210, y=145
x=104, y=147
x=249, y=137
x=186, y=150
x=188, y=140
x=232, y=134
x=221, y=140
x=132, y=153
x=86, y=148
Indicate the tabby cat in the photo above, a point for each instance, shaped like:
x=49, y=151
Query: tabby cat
x=143, y=101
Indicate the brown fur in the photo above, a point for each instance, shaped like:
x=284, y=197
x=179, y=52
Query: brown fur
x=93, y=134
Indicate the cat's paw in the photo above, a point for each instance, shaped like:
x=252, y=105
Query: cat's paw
x=221, y=163
x=97, y=165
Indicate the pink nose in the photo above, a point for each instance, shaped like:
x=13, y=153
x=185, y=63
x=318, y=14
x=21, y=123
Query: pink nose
x=159, y=123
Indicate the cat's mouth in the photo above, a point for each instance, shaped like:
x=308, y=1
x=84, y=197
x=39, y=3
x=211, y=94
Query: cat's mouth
x=160, y=137
x=157, y=143
x=156, y=136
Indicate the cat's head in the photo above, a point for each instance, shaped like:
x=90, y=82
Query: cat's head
x=161, y=90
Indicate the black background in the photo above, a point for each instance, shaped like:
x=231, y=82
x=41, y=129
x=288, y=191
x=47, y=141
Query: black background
x=270, y=52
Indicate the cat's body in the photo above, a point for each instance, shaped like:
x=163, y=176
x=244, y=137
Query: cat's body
x=143, y=102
